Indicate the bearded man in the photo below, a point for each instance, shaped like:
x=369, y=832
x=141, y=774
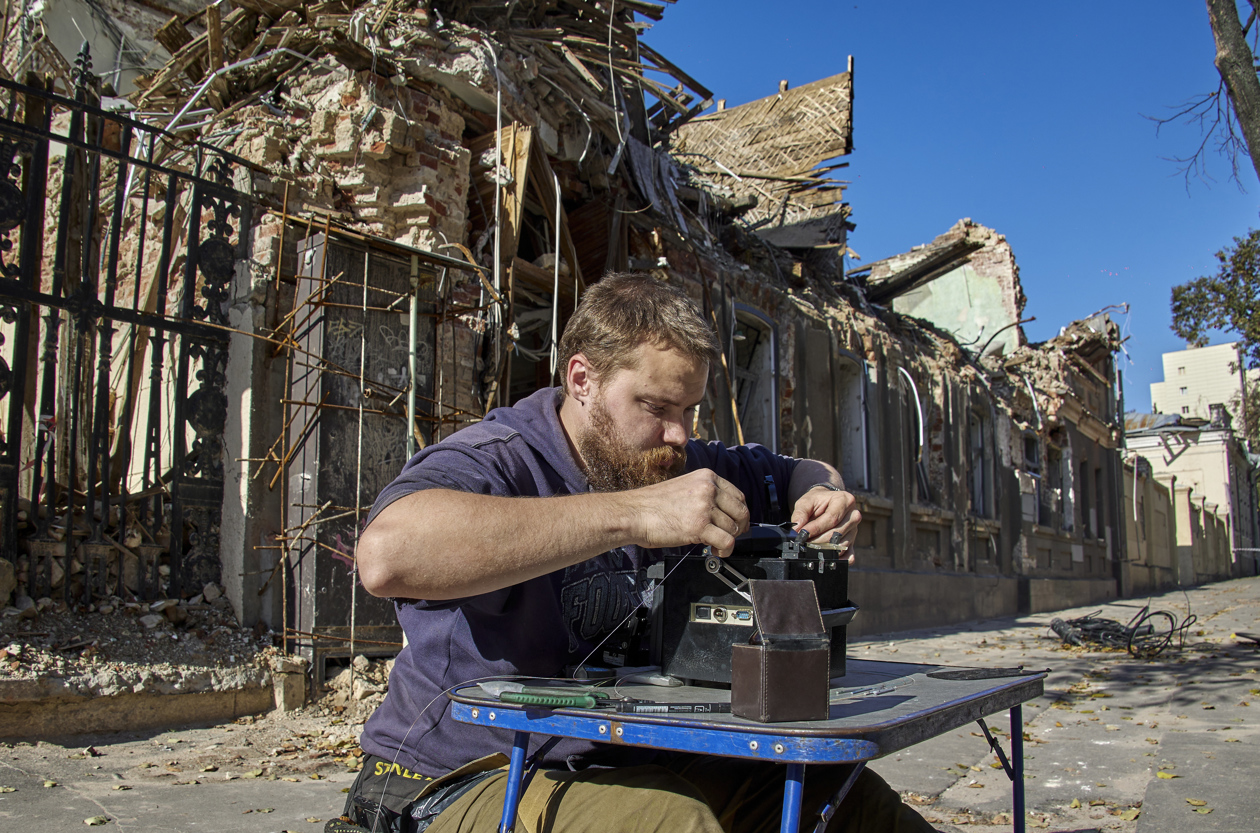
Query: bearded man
x=516, y=545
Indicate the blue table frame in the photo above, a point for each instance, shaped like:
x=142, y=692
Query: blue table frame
x=912, y=708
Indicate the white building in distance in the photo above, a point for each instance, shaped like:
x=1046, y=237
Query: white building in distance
x=1197, y=378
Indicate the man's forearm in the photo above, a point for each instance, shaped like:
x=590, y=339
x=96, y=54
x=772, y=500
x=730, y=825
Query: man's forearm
x=438, y=544
x=808, y=474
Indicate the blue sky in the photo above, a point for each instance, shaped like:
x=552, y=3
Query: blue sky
x=1028, y=118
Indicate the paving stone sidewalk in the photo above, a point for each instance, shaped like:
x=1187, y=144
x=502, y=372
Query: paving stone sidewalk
x=1116, y=743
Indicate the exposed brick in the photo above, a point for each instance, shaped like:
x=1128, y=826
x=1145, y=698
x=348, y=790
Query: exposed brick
x=377, y=150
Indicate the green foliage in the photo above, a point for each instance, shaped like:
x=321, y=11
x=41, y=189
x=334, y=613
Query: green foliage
x=1228, y=300
x=1248, y=408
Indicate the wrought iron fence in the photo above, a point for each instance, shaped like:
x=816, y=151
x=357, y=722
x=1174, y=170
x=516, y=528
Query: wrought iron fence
x=119, y=243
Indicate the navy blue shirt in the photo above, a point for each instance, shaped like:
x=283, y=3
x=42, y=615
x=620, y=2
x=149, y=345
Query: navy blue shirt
x=534, y=628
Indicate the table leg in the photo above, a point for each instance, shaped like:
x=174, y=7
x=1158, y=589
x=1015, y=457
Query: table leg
x=792, y=791
x=515, y=771
x=829, y=809
x=1017, y=754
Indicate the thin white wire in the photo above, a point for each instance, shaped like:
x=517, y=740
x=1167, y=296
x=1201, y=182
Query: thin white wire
x=633, y=611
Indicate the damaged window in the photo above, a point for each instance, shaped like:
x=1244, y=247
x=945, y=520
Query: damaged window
x=1067, y=497
x=1053, y=493
x=1088, y=520
x=851, y=386
x=916, y=465
x=1096, y=511
x=980, y=474
x=755, y=370
x=1034, y=503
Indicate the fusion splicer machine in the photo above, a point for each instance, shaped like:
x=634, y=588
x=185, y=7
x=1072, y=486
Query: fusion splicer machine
x=709, y=605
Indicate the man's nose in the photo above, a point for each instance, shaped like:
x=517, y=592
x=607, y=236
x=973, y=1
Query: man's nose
x=675, y=434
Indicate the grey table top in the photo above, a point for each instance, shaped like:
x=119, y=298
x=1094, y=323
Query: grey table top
x=908, y=706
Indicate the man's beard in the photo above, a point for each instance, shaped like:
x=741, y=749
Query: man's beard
x=613, y=466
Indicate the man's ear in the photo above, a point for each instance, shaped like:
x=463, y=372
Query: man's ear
x=580, y=381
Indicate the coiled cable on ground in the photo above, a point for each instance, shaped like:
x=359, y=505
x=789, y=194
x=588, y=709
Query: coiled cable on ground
x=1145, y=636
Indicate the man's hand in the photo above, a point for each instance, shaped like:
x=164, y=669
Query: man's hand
x=696, y=508
x=822, y=513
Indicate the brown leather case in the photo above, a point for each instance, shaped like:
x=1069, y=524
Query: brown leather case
x=786, y=676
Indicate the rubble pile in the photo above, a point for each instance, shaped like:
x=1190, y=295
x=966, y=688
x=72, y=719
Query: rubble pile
x=115, y=646
x=366, y=107
x=1069, y=373
x=355, y=691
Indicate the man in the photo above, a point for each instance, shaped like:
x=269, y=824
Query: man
x=515, y=546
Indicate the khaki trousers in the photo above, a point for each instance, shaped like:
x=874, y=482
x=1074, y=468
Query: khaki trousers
x=691, y=793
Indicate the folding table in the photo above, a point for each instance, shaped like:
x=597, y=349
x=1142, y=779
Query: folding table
x=896, y=706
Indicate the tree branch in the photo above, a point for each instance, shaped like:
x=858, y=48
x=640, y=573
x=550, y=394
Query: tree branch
x=1236, y=64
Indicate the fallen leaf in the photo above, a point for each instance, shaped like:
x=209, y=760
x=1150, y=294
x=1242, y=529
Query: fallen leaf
x=121, y=787
x=8, y=789
x=976, y=785
x=210, y=768
x=265, y=810
x=315, y=776
x=253, y=773
x=1231, y=740
x=289, y=779
x=50, y=783
x=1058, y=725
x=1203, y=810
x=1130, y=814
x=1151, y=740
x=1196, y=802
x=96, y=821
x=1166, y=775
x=1076, y=804
x=1097, y=802
x=314, y=820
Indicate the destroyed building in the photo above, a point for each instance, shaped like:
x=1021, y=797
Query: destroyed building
x=243, y=287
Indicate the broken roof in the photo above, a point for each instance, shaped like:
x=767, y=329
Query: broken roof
x=774, y=149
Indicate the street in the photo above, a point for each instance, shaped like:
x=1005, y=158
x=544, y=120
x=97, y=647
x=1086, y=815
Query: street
x=1116, y=743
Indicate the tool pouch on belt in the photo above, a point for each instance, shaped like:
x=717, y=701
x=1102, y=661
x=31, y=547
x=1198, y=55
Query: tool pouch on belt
x=394, y=801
